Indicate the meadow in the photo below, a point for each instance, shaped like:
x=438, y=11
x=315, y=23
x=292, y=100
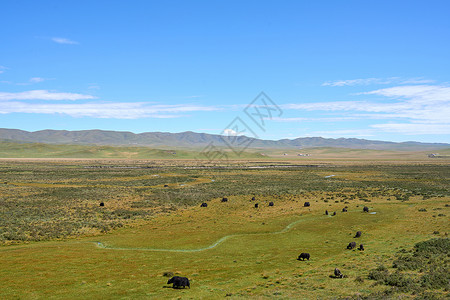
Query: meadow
x=56, y=241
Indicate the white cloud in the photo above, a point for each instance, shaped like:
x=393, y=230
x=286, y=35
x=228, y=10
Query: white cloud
x=414, y=128
x=416, y=81
x=30, y=81
x=231, y=132
x=2, y=69
x=369, y=81
x=321, y=119
x=43, y=95
x=345, y=133
x=60, y=40
x=36, y=79
x=416, y=93
x=279, y=119
x=427, y=105
x=351, y=82
x=124, y=110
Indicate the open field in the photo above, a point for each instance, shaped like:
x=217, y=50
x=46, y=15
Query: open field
x=52, y=151
x=15, y=150
x=57, y=242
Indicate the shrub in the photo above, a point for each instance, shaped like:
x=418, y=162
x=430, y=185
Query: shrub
x=431, y=260
x=379, y=274
x=436, y=278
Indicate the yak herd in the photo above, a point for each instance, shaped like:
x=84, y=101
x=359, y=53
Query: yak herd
x=182, y=282
x=351, y=245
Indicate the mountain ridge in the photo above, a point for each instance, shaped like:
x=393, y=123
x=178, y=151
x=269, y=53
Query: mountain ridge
x=190, y=139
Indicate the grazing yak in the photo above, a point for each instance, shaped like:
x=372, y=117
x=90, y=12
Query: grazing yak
x=224, y=199
x=361, y=247
x=253, y=198
x=166, y=185
x=337, y=273
x=344, y=210
x=365, y=209
x=351, y=245
x=270, y=203
x=306, y=204
x=303, y=256
x=204, y=204
x=256, y=205
x=102, y=204
x=358, y=234
x=179, y=282
x=326, y=212
x=334, y=213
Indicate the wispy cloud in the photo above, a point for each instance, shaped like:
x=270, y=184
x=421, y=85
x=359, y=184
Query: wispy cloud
x=66, y=41
x=345, y=132
x=36, y=79
x=370, y=81
x=321, y=119
x=2, y=69
x=417, y=109
x=94, y=86
x=124, y=110
x=414, y=128
x=30, y=81
x=43, y=95
x=416, y=93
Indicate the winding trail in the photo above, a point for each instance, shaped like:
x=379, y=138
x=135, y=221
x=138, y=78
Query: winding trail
x=217, y=243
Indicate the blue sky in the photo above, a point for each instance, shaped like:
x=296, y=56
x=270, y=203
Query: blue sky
x=366, y=69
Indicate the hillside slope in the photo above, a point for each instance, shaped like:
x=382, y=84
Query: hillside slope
x=191, y=139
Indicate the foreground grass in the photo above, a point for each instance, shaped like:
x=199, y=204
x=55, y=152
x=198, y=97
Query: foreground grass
x=409, y=201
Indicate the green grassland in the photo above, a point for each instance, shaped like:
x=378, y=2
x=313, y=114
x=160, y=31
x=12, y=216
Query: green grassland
x=39, y=150
x=57, y=242
x=10, y=149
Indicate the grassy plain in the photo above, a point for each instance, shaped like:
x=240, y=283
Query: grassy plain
x=51, y=225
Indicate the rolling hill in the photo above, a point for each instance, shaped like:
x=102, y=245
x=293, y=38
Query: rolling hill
x=195, y=140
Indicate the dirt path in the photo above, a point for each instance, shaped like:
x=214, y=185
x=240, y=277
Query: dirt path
x=217, y=243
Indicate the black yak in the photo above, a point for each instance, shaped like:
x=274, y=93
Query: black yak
x=344, y=210
x=326, y=212
x=351, y=245
x=337, y=273
x=256, y=205
x=334, y=213
x=358, y=234
x=179, y=282
x=303, y=256
x=224, y=199
x=102, y=204
x=306, y=204
x=361, y=247
x=365, y=209
x=253, y=198
x=270, y=203
x=204, y=204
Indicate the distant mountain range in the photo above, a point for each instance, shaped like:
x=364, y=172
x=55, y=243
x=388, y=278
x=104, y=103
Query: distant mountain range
x=195, y=140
